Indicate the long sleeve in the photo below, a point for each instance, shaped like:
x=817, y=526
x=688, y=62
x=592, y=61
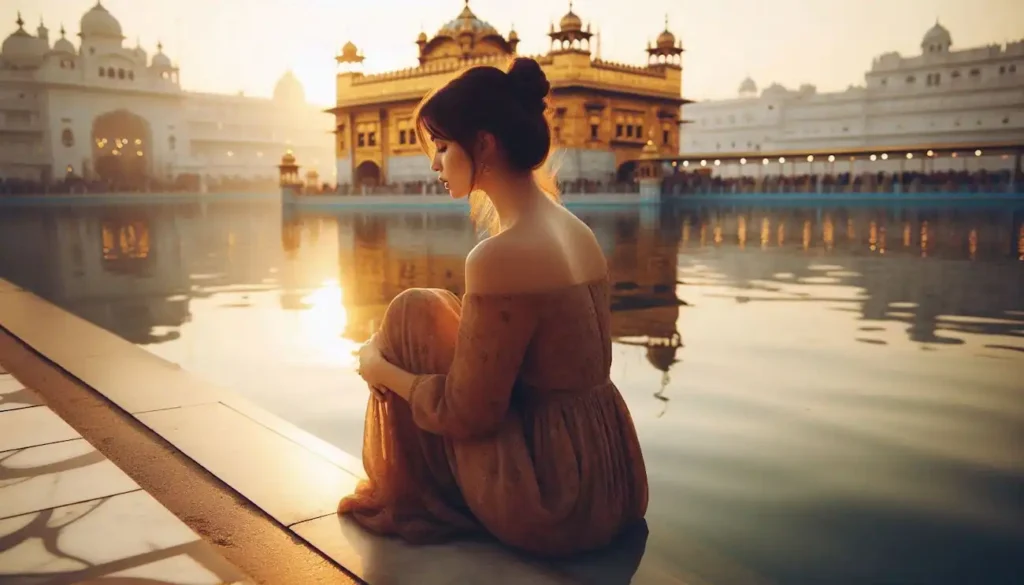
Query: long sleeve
x=473, y=398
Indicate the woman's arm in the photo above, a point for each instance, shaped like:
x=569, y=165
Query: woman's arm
x=472, y=399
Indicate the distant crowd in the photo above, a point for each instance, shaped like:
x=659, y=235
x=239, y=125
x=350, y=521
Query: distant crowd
x=182, y=184
x=683, y=183
x=679, y=183
x=579, y=186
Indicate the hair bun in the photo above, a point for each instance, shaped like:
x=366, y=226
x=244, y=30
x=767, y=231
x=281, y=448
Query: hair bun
x=529, y=83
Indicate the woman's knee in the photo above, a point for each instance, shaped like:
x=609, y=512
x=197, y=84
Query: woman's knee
x=422, y=308
x=417, y=300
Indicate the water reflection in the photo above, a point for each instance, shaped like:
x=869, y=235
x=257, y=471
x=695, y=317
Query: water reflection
x=772, y=357
x=135, y=271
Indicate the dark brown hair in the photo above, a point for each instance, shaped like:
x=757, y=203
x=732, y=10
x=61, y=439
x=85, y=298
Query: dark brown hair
x=510, y=104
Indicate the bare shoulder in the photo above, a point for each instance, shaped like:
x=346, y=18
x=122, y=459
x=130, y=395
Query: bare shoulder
x=539, y=256
x=497, y=265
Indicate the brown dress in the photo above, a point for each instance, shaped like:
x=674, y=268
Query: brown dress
x=513, y=426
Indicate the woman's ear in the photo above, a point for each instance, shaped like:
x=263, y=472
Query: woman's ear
x=486, y=147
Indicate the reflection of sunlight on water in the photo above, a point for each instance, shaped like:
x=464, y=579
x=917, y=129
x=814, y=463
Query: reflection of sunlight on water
x=321, y=325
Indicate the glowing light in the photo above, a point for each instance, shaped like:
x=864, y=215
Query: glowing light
x=764, y=162
x=717, y=162
x=885, y=156
x=831, y=158
x=810, y=158
x=910, y=155
x=138, y=153
x=977, y=153
x=674, y=163
x=138, y=141
x=703, y=163
x=323, y=322
x=743, y=161
x=874, y=158
x=930, y=153
x=686, y=163
x=782, y=159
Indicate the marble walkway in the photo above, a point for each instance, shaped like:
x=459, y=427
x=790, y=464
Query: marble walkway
x=69, y=515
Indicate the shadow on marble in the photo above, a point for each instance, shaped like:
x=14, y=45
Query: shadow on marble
x=54, y=475
x=283, y=478
x=14, y=394
x=124, y=538
x=30, y=427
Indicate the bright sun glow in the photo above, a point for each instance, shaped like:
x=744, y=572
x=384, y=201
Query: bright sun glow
x=323, y=323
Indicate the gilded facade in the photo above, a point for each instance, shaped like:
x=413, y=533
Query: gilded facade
x=602, y=113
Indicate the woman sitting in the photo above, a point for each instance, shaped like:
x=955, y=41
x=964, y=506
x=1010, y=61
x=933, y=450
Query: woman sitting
x=496, y=412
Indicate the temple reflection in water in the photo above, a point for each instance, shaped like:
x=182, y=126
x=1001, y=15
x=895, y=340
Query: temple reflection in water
x=135, y=270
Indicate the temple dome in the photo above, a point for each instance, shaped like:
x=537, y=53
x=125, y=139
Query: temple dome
x=570, y=22
x=466, y=21
x=97, y=22
x=63, y=45
x=289, y=89
x=20, y=49
x=666, y=40
x=938, y=37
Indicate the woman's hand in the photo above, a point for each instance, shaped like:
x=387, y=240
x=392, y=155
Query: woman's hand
x=369, y=368
x=383, y=377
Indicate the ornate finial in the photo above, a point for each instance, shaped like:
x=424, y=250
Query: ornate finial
x=570, y=5
x=62, y=33
x=20, y=22
x=159, y=47
x=666, y=21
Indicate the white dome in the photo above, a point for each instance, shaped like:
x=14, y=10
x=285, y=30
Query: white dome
x=937, y=36
x=100, y=23
x=161, y=61
x=289, y=89
x=748, y=86
x=21, y=49
x=63, y=45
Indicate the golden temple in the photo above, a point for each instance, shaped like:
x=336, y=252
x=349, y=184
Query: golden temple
x=602, y=113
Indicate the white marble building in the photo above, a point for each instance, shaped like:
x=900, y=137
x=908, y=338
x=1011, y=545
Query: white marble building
x=939, y=97
x=67, y=108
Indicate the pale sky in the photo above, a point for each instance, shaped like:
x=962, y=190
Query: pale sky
x=246, y=45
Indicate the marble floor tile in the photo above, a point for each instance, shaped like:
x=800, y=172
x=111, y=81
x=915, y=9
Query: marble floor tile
x=139, y=381
x=14, y=394
x=127, y=536
x=54, y=475
x=342, y=459
x=52, y=331
x=29, y=427
x=389, y=561
x=288, y=482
